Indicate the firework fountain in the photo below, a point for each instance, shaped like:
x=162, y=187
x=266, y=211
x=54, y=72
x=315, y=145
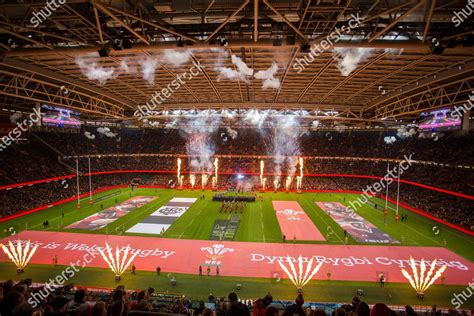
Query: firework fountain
x=422, y=281
x=263, y=180
x=299, y=179
x=216, y=172
x=192, y=180
x=199, y=145
x=117, y=261
x=204, y=178
x=19, y=255
x=179, y=172
x=300, y=275
x=289, y=179
x=285, y=141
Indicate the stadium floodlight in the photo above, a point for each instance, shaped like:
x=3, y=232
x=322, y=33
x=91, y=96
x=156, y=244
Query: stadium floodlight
x=422, y=281
x=302, y=275
x=19, y=255
x=117, y=261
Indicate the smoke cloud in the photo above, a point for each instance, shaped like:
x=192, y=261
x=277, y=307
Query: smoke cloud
x=242, y=73
x=148, y=68
x=175, y=57
x=93, y=71
x=268, y=77
x=349, y=58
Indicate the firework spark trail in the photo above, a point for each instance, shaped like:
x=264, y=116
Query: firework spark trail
x=117, y=263
x=204, y=178
x=299, y=179
x=289, y=179
x=301, y=277
x=216, y=168
x=199, y=145
x=262, y=165
x=19, y=256
x=192, y=180
x=179, y=168
x=285, y=145
x=421, y=282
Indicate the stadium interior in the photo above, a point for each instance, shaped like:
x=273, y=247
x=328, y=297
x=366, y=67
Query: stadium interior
x=228, y=157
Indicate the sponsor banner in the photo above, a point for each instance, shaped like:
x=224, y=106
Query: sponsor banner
x=245, y=259
x=294, y=222
x=101, y=219
x=354, y=224
x=162, y=219
x=218, y=229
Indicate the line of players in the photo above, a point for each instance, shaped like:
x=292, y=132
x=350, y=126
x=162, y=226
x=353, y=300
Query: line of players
x=233, y=207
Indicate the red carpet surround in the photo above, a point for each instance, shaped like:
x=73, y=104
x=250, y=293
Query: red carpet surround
x=244, y=259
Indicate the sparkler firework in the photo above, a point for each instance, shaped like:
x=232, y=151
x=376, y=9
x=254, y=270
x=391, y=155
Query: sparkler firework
x=301, y=276
x=421, y=282
x=179, y=169
x=299, y=179
x=19, y=255
x=216, y=168
x=288, y=182
x=262, y=165
x=192, y=180
x=276, y=183
x=204, y=178
x=117, y=262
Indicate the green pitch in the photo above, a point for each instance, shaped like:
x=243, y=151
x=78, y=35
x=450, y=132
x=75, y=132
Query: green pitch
x=258, y=223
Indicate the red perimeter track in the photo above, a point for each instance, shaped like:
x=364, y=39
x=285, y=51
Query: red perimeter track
x=245, y=259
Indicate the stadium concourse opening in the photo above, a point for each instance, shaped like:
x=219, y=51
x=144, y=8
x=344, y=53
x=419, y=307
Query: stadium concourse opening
x=229, y=157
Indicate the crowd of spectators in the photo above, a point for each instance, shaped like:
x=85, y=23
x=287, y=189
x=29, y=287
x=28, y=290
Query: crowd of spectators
x=46, y=156
x=22, y=299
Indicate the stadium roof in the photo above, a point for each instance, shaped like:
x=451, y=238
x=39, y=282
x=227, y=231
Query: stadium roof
x=404, y=58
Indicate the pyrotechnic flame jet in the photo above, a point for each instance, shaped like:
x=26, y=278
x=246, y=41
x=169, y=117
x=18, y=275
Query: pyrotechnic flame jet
x=117, y=262
x=421, y=282
x=301, y=276
x=19, y=255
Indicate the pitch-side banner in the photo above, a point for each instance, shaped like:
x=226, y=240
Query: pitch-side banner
x=244, y=259
x=162, y=219
x=355, y=225
x=294, y=222
x=101, y=219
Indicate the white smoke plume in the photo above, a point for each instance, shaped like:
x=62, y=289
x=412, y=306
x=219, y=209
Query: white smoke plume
x=232, y=132
x=94, y=71
x=255, y=117
x=106, y=131
x=15, y=117
x=285, y=143
x=242, y=73
x=268, y=77
x=389, y=140
x=404, y=133
x=89, y=135
x=148, y=68
x=175, y=57
x=199, y=145
x=349, y=58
